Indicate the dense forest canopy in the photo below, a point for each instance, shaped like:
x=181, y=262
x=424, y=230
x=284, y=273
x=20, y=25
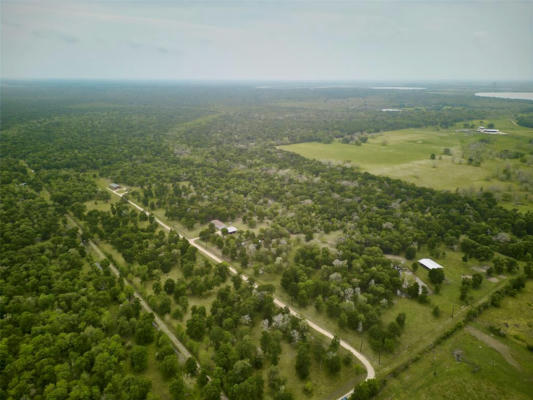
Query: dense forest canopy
x=205, y=152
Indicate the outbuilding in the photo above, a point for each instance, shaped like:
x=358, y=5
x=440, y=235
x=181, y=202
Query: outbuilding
x=490, y=131
x=429, y=263
x=114, y=186
x=232, y=229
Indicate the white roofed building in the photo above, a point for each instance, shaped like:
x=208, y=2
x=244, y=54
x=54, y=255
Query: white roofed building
x=429, y=263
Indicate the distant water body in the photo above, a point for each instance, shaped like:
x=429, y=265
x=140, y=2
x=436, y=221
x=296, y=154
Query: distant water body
x=397, y=88
x=508, y=95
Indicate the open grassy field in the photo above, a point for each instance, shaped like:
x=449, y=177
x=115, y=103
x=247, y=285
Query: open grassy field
x=406, y=154
x=514, y=318
x=497, y=368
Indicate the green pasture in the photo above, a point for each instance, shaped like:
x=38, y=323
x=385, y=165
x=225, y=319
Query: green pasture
x=406, y=154
x=483, y=372
x=514, y=318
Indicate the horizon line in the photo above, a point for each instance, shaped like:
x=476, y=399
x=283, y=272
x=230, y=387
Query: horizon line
x=250, y=80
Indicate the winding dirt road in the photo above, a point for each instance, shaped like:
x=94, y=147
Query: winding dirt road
x=370, y=373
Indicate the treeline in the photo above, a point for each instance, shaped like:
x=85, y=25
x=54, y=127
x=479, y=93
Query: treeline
x=525, y=120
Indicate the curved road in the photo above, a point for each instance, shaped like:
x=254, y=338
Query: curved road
x=370, y=373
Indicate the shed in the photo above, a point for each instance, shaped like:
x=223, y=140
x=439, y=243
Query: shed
x=429, y=263
x=114, y=186
x=232, y=229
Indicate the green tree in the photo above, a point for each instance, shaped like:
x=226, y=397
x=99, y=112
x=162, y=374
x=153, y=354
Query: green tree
x=139, y=358
x=410, y=253
x=190, y=367
x=177, y=389
x=413, y=290
x=212, y=390
x=365, y=390
x=477, y=279
x=135, y=387
x=196, y=327
x=144, y=331
x=400, y=319
x=303, y=361
x=170, y=284
x=436, y=276
x=333, y=363
x=169, y=366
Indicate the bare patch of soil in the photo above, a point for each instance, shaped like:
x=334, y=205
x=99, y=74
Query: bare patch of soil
x=495, y=344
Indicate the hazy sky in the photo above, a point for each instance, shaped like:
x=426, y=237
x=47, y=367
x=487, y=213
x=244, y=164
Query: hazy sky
x=296, y=40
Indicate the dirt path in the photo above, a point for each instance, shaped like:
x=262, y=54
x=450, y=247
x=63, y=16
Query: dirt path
x=159, y=322
x=185, y=354
x=370, y=373
x=408, y=272
x=495, y=344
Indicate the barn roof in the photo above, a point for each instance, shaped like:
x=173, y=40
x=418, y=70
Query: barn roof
x=429, y=263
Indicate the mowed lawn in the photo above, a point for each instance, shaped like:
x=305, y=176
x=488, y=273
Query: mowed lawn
x=405, y=154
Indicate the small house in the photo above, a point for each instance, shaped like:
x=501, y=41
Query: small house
x=429, y=263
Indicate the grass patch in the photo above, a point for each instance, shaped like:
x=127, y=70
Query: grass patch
x=406, y=154
x=484, y=373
